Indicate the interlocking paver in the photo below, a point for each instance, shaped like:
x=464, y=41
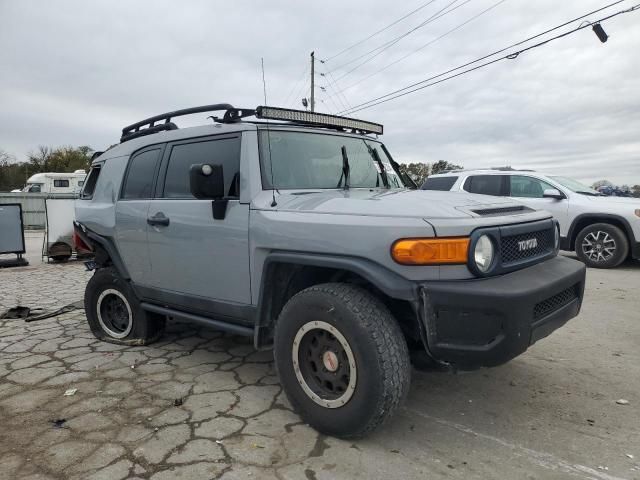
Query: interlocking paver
x=234, y=421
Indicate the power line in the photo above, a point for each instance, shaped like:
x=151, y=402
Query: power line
x=378, y=31
x=511, y=56
x=297, y=85
x=474, y=17
x=385, y=46
x=337, y=89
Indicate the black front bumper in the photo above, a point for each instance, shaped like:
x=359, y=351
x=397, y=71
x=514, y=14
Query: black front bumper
x=487, y=322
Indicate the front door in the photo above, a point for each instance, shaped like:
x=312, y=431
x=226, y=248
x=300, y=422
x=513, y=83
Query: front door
x=529, y=190
x=196, y=259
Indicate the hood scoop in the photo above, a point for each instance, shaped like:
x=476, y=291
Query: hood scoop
x=496, y=212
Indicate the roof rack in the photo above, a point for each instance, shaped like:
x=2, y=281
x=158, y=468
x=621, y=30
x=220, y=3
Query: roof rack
x=490, y=169
x=233, y=115
x=133, y=131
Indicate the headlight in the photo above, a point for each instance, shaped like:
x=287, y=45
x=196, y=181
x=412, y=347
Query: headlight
x=483, y=253
x=637, y=212
x=556, y=238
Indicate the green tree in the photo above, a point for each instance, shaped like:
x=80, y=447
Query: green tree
x=417, y=171
x=442, y=166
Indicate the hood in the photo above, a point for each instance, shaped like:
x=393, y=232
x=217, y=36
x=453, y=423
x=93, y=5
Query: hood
x=430, y=204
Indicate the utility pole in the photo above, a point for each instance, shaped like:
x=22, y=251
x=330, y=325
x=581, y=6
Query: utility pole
x=313, y=87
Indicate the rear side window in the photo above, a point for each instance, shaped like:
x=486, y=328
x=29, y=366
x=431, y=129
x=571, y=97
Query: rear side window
x=224, y=151
x=485, y=185
x=140, y=175
x=90, y=182
x=61, y=183
x=439, y=183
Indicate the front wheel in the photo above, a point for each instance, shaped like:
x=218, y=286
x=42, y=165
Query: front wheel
x=342, y=359
x=602, y=245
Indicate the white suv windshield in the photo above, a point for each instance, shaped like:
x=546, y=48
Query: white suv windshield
x=301, y=160
x=575, y=186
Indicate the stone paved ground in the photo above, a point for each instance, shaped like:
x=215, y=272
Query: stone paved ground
x=551, y=413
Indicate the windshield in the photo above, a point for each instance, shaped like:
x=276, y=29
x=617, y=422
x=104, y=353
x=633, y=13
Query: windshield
x=33, y=187
x=575, y=186
x=301, y=160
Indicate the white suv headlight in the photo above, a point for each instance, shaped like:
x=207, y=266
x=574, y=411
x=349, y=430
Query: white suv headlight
x=556, y=238
x=483, y=253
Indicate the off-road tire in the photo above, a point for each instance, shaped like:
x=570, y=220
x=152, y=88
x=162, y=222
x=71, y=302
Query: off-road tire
x=378, y=348
x=612, y=232
x=142, y=327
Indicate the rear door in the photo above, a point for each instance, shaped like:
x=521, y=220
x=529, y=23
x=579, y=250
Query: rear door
x=131, y=212
x=196, y=259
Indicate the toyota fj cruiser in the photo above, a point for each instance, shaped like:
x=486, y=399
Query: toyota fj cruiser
x=299, y=229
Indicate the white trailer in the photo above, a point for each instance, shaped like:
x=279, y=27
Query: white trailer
x=55, y=182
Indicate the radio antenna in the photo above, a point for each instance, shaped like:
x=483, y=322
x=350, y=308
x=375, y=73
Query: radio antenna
x=264, y=89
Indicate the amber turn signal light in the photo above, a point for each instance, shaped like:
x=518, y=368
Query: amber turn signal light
x=430, y=251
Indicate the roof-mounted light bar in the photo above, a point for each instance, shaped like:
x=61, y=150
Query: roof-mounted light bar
x=317, y=119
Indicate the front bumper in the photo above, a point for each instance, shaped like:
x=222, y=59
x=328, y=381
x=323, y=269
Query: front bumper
x=487, y=322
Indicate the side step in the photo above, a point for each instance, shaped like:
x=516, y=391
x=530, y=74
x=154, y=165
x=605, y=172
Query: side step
x=200, y=320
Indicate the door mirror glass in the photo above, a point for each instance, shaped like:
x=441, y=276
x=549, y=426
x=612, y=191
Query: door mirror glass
x=553, y=193
x=206, y=181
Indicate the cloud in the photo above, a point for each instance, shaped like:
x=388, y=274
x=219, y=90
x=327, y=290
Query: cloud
x=77, y=72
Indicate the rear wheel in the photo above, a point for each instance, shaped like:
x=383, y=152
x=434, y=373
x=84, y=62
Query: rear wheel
x=342, y=359
x=602, y=245
x=114, y=312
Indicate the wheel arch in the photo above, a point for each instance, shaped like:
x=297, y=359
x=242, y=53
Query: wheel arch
x=586, y=219
x=287, y=273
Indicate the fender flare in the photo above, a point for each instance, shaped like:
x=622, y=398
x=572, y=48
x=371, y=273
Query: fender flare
x=108, y=245
x=390, y=283
x=600, y=217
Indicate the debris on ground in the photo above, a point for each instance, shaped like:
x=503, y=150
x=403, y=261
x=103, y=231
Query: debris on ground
x=622, y=401
x=59, y=423
x=71, y=391
x=16, y=312
x=178, y=402
x=629, y=456
x=79, y=305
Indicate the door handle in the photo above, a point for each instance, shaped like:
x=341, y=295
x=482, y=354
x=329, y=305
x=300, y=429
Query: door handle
x=158, y=220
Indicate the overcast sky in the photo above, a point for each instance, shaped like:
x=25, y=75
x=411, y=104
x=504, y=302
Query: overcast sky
x=75, y=72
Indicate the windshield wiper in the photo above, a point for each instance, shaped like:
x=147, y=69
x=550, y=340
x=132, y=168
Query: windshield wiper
x=345, y=169
x=591, y=194
x=383, y=173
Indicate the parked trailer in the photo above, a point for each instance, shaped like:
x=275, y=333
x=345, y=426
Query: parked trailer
x=51, y=182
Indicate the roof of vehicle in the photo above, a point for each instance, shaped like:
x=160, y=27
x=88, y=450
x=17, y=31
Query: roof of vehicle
x=55, y=175
x=486, y=171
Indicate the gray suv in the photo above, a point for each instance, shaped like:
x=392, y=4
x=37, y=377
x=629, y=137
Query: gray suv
x=300, y=230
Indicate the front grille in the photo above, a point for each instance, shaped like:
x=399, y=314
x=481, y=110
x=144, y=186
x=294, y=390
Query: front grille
x=526, y=246
x=551, y=304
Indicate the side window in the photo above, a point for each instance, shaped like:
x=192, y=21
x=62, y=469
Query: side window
x=90, y=183
x=225, y=152
x=527, y=187
x=439, y=183
x=61, y=183
x=485, y=184
x=140, y=175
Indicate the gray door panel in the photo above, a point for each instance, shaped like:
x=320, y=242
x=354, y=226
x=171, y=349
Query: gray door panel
x=197, y=255
x=131, y=238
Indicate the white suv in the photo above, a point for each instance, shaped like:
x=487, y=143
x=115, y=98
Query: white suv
x=603, y=231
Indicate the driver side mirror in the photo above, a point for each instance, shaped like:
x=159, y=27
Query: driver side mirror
x=206, y=181
x=553, y=193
